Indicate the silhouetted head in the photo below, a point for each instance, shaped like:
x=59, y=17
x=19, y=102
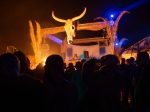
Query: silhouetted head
x=110, y=60
x=89, y=65
x=88, y=69
x=9, y=65
x=132, y=59
x=54, y=67
x=128, y=61
x=70, y=66
x=39, y=67
x=78, y=65
x=123, y=60
x=23, y=61
x=143, y=59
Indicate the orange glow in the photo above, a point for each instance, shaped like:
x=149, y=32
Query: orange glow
x=36, y=41
x=43, y=62
x=128, y=55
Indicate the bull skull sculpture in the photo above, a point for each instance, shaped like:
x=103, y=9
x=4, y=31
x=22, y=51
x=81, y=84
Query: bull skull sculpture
x=69, y=26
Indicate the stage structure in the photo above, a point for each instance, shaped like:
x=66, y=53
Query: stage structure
x=140, y=46
x=70, y=48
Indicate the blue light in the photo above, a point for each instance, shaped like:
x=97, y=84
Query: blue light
x=111, y=22
x=55, y=39
x=116, y=44
x=136, y=4
x=112, y=15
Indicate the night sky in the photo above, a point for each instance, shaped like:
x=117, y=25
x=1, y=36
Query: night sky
x=14, y=16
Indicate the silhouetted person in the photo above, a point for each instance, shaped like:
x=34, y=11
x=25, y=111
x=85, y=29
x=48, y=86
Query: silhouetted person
x=61, y=95
x=77, y=73
x=88, y=70
x=132, y=61
x=39, y=72
x=105, y=92
x=9, y=72
x=17, y=94
x=142, y=92
x=129, y=71
x=24, y=63
x=69, y=71
x=123, y=62
x=9, y=66
x=88, y=77
x=77, y=80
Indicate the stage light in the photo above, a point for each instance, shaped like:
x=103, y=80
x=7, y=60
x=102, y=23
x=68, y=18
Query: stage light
x=55, y=39
x=111, y=16
x=111, y=22
x=116, y=44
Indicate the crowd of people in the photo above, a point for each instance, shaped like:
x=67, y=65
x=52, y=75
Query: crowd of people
x=93, y=85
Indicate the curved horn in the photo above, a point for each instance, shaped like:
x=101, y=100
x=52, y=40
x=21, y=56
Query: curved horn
x=58, y=19
x=80, y=16
x=121, y=14
x=118, y=19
